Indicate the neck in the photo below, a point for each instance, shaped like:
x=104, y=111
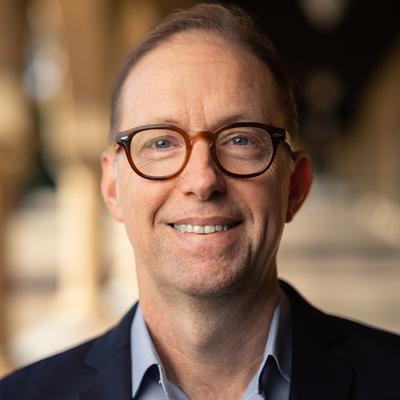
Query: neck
x=211, y=345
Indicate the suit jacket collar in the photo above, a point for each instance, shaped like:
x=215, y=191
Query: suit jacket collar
x=110, y=356
x=316, y=372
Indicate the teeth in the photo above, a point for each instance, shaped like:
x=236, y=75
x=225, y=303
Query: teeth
x=209, y=229
x=199, y=229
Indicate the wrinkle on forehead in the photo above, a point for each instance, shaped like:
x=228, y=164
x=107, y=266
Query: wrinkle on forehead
x=199, y=82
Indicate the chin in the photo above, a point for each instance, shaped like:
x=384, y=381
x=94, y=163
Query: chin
x=208, y=284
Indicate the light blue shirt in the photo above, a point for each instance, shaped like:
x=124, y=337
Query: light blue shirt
x=271, y=382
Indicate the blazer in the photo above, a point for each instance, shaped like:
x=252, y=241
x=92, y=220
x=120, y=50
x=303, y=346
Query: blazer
x=332, y=359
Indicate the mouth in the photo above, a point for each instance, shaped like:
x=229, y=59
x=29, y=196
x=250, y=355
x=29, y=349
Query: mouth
x=203, y=229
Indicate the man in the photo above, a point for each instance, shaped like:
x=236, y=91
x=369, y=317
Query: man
x=206, y=171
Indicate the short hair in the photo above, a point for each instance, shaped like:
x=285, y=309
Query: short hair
x=233, y=25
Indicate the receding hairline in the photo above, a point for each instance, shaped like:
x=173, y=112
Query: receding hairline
x=195, y=37
x=188, y=37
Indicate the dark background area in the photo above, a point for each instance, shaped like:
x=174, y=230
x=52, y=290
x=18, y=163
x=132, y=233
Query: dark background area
x=353, y=48
x=350, y=50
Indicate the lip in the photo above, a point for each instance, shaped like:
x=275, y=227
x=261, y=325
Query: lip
x=206, y=221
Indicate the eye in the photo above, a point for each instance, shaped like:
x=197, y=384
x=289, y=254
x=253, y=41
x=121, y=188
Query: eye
x=162, y=144
x=240, y=141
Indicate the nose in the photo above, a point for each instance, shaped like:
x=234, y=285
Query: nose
x=201, y=177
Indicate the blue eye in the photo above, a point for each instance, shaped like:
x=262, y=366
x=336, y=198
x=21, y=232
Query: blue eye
x=240, y=141
x=162, y=144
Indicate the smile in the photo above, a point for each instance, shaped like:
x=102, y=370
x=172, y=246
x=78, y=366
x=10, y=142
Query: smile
x=203, y=229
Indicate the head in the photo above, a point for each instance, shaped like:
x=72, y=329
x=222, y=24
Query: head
x=199, y=79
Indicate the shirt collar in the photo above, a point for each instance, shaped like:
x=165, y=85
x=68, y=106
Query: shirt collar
x=144, y=355
x=278, y=346
x=279, y=342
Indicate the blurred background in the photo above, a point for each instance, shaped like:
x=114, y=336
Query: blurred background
x=66, y=268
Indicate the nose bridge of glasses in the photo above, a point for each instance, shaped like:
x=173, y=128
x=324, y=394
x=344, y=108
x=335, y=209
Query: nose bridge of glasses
x=201, y=135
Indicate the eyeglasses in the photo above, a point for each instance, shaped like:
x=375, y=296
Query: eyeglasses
x=240, y=150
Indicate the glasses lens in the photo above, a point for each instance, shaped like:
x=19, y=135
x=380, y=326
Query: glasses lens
x=158, y=152
x=244, y=150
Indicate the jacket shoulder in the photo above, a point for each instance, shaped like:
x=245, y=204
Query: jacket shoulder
x=68, y=374
x=344, y=355
x=58, y=376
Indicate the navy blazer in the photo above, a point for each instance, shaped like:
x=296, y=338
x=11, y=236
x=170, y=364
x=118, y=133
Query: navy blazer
x=333, y=359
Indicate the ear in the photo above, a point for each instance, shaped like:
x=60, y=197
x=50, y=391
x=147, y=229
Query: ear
x=300, y=183
x=109, y=187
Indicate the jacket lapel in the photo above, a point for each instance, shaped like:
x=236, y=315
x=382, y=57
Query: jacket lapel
x=316, y=373
x=113, y=381
x=110, y=356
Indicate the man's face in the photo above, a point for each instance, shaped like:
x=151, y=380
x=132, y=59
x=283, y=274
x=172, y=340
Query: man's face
x=200, y=85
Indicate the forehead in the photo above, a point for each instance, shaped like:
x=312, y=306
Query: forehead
x=199, y=82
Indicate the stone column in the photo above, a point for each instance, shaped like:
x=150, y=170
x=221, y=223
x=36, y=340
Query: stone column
x=16, y=140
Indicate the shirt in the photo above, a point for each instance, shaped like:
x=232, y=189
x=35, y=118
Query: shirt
x=271, y=381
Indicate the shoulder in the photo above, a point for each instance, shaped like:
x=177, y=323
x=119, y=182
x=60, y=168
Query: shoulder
x=367, y=348
x=340, y=352
x=53, y=377
x=67, y=374
x=333, y=330
x=339, y=332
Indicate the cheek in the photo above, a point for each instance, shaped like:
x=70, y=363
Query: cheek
x=279, y=181
x=270, y=192
x=267, y=198
x=140, y=201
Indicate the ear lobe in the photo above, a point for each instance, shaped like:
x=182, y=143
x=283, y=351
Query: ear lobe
x=109, y=187
x=300, y=183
